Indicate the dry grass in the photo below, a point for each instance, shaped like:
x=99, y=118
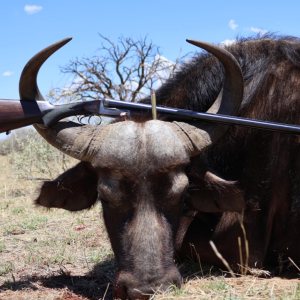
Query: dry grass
x=59, y=255
x=247, y=287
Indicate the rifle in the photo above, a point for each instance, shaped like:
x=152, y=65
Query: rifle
x=19, y=113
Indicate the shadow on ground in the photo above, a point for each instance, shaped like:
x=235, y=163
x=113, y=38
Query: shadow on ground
x=94, y=285
x=99, y=281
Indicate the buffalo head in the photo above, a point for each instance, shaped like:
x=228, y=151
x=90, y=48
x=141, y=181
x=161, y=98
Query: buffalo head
x=139, y=172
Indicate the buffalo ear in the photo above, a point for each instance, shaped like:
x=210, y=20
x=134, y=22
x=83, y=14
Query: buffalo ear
x=75, y=189
x=210, y=193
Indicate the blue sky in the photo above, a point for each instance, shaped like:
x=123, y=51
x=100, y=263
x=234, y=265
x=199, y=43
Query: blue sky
x=29, y=26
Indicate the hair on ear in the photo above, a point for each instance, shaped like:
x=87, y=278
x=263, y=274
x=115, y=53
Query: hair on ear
x=74, y=190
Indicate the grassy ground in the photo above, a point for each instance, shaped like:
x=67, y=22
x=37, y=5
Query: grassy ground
x=60, y=255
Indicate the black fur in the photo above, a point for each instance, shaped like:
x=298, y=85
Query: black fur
x=265, y=164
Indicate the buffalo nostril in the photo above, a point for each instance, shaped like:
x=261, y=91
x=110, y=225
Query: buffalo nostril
x=173, y=278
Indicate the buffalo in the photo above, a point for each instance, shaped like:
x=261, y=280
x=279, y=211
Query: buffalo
x=167, y=184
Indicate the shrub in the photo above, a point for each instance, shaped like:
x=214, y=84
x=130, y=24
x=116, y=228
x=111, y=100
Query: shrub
x=33, y=158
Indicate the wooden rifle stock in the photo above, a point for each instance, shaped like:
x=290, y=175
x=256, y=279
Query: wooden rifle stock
x=15, y=113
x=19, y=113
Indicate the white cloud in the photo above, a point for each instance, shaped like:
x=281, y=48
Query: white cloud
x=259, y=31
x=164, y=71
x=232, y=24
x=228, y=42
x=8, y=73
x=32, y=9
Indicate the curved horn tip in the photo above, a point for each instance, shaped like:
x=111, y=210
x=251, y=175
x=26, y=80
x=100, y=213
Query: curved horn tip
x=66, y=40
x=61, y=42
x=191, y=41
x=28, y=88
x=198, y=43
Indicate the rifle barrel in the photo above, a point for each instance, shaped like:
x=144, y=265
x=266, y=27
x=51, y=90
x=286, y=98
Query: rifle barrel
x=215, y=118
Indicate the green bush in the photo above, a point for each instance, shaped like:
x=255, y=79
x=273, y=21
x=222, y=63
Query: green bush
x=8, y=144
x=32, y=157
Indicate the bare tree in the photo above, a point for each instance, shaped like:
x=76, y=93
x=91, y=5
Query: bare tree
x=125, y=70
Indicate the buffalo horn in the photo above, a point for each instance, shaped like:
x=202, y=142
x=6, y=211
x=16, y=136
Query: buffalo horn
x=69, y=137
x=201, y=134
